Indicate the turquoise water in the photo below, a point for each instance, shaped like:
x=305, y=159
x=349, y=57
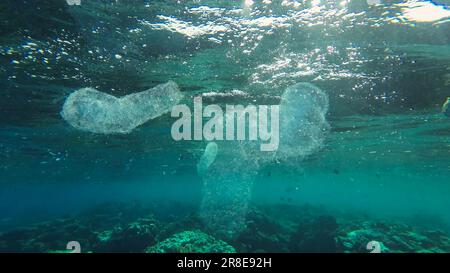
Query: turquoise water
x=376, y=169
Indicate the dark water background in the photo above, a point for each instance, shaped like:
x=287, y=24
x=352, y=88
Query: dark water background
x=386, y=74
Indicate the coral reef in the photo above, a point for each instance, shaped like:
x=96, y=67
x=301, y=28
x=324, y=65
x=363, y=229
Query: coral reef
x=393, y=237
x=118, y=227
x=316, y=235
x=191, y=242
x=134, y=237
x=301, y=230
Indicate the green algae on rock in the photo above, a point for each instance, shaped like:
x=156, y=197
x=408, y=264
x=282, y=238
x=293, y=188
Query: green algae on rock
x=191, y=242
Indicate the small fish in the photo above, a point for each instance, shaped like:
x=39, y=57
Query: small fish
x=290, y=189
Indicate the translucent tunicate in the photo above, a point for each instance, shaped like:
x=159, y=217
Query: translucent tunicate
x=302, y=120
x=207, y=158
x=90, y=110
x=227, y=186
x=302, y=125
x=228, y=182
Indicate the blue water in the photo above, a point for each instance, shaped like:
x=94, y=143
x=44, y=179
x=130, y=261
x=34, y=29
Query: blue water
x=384, y=66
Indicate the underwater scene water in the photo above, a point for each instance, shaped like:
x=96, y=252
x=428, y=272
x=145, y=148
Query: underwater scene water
x=88, y=153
